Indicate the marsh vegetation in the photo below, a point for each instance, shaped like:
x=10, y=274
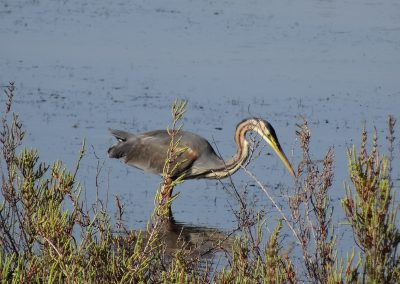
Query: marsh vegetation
x=48, y=235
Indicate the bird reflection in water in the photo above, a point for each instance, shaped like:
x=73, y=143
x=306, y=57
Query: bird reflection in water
x=200, y=241
x=197, y=242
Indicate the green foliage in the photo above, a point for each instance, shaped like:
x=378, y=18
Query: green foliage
x=371, y=210
x=272, y=266
x=339, y=274
x=42, y=217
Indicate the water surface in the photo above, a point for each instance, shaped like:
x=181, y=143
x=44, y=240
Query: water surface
x=83, y=66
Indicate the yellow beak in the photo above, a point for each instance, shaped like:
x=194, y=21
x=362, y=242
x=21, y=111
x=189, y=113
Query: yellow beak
x=278, y=150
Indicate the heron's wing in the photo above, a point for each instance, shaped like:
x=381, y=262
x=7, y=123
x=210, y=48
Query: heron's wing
x=206, y=163
x=206, y=160
x=149, y=153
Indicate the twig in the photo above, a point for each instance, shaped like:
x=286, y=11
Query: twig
x=263, y=188
x=53, y=246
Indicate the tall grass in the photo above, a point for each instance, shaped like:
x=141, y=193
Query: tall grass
x=46, y=235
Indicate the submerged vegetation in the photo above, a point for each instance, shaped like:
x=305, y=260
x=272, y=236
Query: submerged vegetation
x=47, y=235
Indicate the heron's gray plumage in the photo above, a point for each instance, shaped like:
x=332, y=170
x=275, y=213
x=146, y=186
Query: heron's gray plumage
x=148, y=152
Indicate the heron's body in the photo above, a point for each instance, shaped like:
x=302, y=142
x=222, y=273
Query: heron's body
x=148, y=152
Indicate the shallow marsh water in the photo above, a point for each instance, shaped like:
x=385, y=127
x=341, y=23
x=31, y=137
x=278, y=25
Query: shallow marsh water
x=83, y=66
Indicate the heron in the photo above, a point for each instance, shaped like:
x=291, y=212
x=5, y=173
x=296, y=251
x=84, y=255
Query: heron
x=148, y=152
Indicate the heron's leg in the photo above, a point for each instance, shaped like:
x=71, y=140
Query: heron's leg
x=165, y=197
x=166, y=189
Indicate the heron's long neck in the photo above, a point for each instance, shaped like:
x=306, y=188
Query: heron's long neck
x=242, y=153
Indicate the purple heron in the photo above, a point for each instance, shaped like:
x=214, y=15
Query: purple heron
x=148, y=151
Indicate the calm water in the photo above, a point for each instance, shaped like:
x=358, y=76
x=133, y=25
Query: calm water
x=83, y=66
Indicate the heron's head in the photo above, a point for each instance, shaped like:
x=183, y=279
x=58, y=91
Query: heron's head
x=267, y=132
